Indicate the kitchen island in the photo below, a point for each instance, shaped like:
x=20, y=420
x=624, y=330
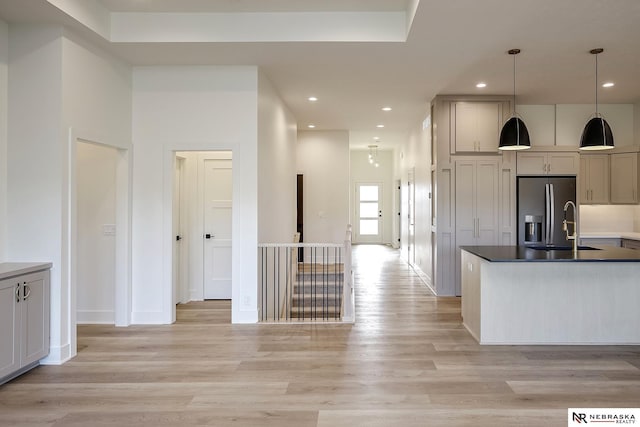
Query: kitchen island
x=520, y=295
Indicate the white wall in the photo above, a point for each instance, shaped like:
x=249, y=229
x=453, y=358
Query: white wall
x=35, y=182
x=56, y=84
x=181, y=109
x=277, y=136
x=96, y=251
x=603, y=218
x=97, y=93
x=416, y=154
x=323, y=159
x=363, y=172
x=4, y=65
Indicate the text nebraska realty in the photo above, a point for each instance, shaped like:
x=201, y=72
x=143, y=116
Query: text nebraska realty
x=611, y=418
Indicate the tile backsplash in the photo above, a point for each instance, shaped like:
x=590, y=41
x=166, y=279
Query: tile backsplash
x=603, y=218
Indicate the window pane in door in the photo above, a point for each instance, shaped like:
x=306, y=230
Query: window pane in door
x=368, y=193
x=369, y=210
x=368, y=227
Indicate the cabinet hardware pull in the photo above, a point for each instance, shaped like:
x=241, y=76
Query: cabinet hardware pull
x=18, y=292
x=27, y=291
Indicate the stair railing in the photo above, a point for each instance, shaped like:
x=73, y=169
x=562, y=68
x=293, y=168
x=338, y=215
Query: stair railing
x=305, y=282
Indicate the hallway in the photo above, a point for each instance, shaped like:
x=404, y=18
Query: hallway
x=407, y=361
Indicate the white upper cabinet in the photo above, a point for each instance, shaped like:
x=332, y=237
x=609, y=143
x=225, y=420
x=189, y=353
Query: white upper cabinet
x=624, y=178
x=594, y=179
x=547, y=163
x=475, y=126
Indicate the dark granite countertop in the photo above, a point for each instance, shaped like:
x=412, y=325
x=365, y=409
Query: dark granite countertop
x=526, y=254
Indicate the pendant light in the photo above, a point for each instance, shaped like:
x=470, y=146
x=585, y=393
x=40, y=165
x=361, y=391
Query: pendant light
x=597, y=133
x=514, y=134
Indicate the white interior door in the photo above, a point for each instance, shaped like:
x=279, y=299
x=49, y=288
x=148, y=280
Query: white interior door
x=217, y=229
x=178, y=233
x=369, y=213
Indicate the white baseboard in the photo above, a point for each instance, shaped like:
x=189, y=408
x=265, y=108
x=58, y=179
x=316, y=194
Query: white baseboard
x=425, y=278
x=102, y=317
x=57, y=355
x=148, y=318
x=244, y=316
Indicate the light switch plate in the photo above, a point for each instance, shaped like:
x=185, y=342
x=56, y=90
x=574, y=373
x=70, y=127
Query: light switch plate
x=108, y=229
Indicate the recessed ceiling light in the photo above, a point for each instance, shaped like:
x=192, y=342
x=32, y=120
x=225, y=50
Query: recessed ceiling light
x=386, y=108
x=311, y=126
x=312, y=99
x=481, y=85
x=608, y=84
x=380, y=126
x=376, y=138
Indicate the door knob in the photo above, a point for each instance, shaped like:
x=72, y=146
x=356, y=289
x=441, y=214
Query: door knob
x=178, y=238
x=209, y=236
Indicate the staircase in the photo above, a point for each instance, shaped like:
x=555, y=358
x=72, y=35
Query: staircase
x=317, y=292
x=305, y=282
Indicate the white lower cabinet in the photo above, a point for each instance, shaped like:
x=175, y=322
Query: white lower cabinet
x=24, y=322
x=606, y=241
x=631, y=244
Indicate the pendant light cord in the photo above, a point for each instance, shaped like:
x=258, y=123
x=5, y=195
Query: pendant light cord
x=596, y=85
x=514, y=85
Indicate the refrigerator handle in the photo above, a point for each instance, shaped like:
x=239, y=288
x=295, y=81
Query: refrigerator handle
x=547, y=217
x=553, y=213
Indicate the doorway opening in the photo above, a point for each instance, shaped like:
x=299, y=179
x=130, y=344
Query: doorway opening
x=201, y=226
x=95, y=260
x=98, y=234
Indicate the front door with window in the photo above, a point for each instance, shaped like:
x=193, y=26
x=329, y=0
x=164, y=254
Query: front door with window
x=369, y=213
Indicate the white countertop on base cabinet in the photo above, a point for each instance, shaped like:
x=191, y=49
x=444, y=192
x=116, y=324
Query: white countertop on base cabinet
x=11, y=269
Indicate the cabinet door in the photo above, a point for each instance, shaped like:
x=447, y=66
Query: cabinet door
x=488, y=122
x=35, y=316
x=477, y=126
x=9, y=328
x=563, y=163
x=486, y=202
x=594, y=179
x=465, y=195
x=533, y=163
x=465, y=128
x=624, y=178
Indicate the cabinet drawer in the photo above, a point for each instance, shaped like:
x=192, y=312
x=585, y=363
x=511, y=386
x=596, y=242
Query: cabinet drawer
x=631, y=244
x=600, y=241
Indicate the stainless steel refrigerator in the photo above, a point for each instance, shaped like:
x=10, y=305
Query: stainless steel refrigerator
x=540, y=208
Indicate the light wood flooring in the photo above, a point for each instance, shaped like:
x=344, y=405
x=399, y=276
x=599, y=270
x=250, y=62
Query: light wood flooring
x=406, y=362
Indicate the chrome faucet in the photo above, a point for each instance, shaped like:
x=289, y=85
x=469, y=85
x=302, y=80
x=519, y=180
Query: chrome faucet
x=574, y=236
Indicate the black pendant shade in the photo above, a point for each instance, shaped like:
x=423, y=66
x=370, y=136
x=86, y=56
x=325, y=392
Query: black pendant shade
x=514, y=135
x=596, y=135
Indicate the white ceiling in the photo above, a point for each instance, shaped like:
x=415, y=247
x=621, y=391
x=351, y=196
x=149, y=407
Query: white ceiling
x=451, y=45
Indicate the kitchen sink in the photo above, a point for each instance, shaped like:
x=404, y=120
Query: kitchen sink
x=562, y=248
